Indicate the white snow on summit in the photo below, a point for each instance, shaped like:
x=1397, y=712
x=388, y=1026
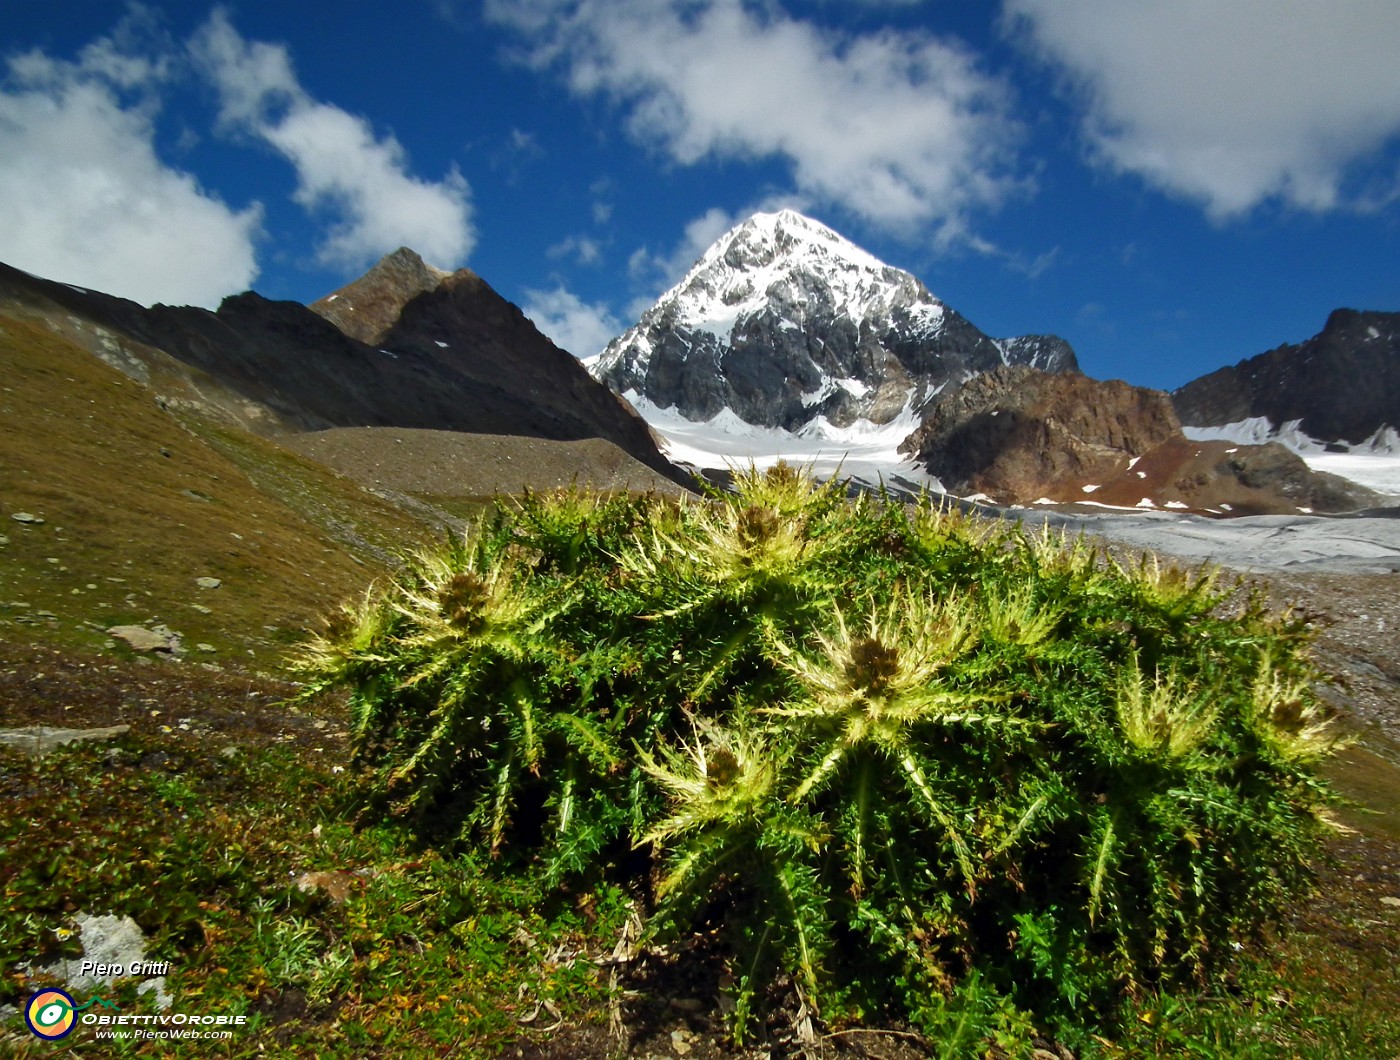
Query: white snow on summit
x=763, y=260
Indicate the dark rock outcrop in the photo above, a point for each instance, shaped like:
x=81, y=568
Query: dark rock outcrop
x=1343, y=384
x=1018, y=435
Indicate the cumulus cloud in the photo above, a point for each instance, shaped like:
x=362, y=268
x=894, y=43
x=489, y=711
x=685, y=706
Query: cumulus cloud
x=900, y=128
x=87, y=198
x=1231, y=103
x=572, y=324
x=343, y=168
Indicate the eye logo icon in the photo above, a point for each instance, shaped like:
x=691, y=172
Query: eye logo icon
x=49, y=1014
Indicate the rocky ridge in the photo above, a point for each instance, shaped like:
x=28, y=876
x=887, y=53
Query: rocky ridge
x=1017, y=435
x=782, y=321
x=448, y=354
x=1341, y=386
x=365, y=309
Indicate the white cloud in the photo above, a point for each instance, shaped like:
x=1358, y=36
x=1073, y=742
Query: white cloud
x=342, y=167
x=899, y=128
x=583, y=249
x=1230, y=102
x=571, y=323
x=657, y=271
x=86, y=199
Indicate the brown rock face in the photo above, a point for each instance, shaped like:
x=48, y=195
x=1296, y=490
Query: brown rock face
x=1019, y=435
x=365, y=309
x=1017, y=431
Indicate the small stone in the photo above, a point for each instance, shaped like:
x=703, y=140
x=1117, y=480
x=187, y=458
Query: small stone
x=334, y=885
x=201, y=646
x=26, y=517
x=1394, y=903
x=202, y=609
x=4, y=540
x=208, y=583
x=39, y=740
x=139, y=638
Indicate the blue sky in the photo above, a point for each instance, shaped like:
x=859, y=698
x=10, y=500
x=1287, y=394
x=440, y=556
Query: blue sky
x=1169, y=186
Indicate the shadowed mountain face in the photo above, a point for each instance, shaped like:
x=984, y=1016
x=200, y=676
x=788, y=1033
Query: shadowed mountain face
x=1343, y=384
x=456, y=357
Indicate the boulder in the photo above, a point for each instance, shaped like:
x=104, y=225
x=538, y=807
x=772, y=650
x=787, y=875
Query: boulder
x=38, y=740
x=139, y=638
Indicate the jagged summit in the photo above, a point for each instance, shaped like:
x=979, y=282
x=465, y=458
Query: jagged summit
x=1340, y=387
x=365, y=309
x=768, y=255
x=784, y=322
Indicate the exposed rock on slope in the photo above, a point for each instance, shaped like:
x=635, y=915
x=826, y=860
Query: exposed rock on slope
x=1341, y=385
x=783, y=321
x=367, y=308
x=1018, y=435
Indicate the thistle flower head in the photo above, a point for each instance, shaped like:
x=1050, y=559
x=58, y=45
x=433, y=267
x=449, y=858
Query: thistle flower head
x=460, y=596
x=788, y=490
x=721, y=777
x=1287, y=715
x=936, y=528
x=1166, y=716
x=1172, y=588
x=876, y=678
x=1012, y=615
x=728, y=545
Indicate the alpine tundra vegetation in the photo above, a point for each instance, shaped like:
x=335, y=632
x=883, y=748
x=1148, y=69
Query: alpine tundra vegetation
x=897, y=760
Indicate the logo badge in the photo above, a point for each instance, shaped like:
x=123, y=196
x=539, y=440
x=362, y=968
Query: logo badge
x=49, y=1014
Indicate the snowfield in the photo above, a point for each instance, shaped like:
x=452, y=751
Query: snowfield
x=866, y=452
x=1374, y=463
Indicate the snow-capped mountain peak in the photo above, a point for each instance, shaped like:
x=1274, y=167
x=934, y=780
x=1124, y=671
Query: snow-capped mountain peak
x=766, y=257
x=782, y=321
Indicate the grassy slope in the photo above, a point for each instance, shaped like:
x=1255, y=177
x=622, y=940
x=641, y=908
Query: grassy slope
x=138, y=504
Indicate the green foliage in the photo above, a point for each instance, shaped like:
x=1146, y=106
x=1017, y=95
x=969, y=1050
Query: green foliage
x=922, y=763
x=426, y=956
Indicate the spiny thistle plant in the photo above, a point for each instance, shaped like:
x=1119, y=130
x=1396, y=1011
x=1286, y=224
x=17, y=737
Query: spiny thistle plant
x=1287, y=714
x=895, y=754
x=1164, y=717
